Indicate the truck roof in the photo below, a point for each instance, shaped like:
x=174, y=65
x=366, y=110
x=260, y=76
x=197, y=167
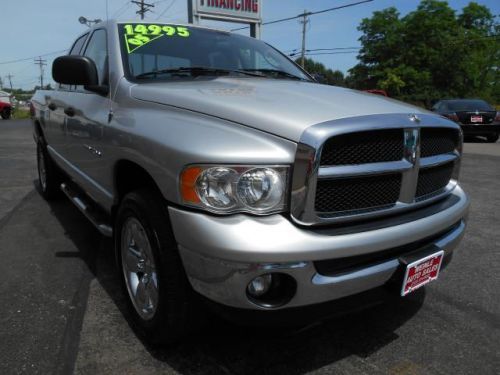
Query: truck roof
x=113, y=22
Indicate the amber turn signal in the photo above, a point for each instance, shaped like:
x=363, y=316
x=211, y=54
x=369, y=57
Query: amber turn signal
x=188, y=184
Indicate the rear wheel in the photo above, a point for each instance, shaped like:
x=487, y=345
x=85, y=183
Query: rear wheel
x=159, y=295
x=48, y=174
x=5, y=113
x=492, y=138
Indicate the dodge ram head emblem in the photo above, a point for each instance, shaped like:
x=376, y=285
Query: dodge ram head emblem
x=411, y=142
x=414, y=118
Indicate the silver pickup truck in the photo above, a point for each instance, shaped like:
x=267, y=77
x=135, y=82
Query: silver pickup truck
x=226, y=174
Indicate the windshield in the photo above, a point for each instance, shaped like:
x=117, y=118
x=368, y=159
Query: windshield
x=161, y=51
x=468, y=105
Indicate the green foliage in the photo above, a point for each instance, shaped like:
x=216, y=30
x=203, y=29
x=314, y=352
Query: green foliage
x=331, y=77
x=21, y=94
x=21, y=113
x=431, y=53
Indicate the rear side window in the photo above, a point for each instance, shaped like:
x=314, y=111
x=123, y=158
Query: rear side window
x=97, y=51
x=77, y=46
x=469, y=105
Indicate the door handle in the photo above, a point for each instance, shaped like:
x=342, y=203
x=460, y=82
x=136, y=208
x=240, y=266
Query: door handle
x=70, y=111
x=52, y=106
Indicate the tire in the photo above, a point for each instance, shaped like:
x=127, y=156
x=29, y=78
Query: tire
x=492, y=138
x=49, y=177
x=159, y=296
x=6, y=113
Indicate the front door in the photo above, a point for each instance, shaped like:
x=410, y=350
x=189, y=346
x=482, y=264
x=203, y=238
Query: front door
x=86, y=117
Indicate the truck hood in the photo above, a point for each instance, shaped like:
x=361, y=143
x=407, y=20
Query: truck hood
x=281, y=107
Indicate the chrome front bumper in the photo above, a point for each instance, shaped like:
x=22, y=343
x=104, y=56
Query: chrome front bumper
x=221, y=255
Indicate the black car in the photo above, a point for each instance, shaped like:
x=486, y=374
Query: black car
x=475, y=116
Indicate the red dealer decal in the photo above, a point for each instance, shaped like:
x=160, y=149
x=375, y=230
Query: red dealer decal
x=422, y=272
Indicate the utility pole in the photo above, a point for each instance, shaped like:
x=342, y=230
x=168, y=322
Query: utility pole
x=143, y=7
x=304, y=23
x=1, y=83
x=10, y=76
x=41, y=63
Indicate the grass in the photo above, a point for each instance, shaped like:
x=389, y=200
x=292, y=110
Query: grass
x=21, y=114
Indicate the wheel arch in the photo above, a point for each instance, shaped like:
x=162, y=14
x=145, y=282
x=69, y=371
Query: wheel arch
x=129, y=176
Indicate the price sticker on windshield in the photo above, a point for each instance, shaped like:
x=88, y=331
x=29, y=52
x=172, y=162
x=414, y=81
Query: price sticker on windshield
x=138, y=35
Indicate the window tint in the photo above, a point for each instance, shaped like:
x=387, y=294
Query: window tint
x=157, y=47
x=77, y=46
x=140, y=63
x=97, y=50
x=469, y=105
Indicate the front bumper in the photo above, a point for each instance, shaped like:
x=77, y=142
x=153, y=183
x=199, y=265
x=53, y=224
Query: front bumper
x=221, y=255
x=481, y=129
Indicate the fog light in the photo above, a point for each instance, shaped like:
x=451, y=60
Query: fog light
x=271, y=290
x=260, y=285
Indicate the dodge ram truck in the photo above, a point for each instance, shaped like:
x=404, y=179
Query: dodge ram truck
x=225, y=174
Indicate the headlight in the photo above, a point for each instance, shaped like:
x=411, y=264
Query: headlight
x=235, y=188
x=261, y=189
x=215, y=186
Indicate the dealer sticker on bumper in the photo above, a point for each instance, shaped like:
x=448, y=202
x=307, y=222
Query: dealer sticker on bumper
x=421, y=272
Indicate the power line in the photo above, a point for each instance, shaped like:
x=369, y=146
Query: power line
x=32, y=57
x=330, y=53
x=304, y=23
x=41, y=63
x=308, y=14
x=120, y=10
x=10, y=76
x=143, y=7
x=166, y=9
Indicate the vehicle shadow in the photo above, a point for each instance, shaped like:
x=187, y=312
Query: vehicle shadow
x=222, y=347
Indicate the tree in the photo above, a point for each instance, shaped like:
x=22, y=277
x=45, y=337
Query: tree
x=430, y=53
x=331, y=77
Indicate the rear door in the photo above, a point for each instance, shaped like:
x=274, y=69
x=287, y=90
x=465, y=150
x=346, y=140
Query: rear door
x=55, y=128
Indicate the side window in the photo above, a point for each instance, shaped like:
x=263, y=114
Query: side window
x=75, y=50
x=97, y=50
x=77, y=46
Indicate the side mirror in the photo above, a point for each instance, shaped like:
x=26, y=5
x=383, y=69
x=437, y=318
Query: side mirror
x=77, y=70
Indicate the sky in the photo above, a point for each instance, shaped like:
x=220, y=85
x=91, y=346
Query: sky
x=32, y=28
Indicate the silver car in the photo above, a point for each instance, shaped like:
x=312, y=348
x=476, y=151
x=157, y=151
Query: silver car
x=226, y=175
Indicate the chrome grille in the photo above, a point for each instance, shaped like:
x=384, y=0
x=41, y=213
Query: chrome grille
x=437, y=141
x=353, y=169
x=359, y=193
x=433, y=180
x=363, y=147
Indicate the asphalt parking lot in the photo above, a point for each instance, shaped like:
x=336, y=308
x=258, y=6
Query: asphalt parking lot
x=62, y=311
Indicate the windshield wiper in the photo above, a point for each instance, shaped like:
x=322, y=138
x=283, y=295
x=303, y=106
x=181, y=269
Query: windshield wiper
x=196, y=71
x=276, y=72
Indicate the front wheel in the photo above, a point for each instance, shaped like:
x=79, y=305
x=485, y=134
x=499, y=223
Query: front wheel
x=159, y=294
x=492, y=138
